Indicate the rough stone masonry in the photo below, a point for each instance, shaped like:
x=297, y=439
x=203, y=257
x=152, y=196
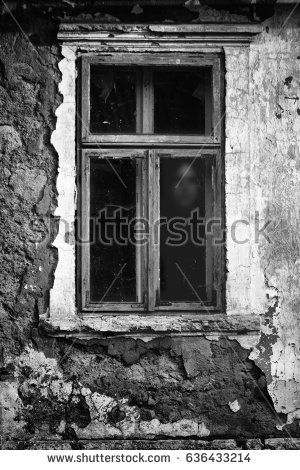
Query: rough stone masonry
x=126, y=392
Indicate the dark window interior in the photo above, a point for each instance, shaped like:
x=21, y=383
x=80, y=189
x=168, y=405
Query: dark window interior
x=182, y=261
x=181, y=99
x=113, y=100
x=112, y=267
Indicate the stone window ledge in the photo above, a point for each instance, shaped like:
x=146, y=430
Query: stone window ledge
x=103, y=325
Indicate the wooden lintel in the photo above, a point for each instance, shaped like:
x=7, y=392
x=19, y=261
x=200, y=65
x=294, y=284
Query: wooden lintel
x=126, y=34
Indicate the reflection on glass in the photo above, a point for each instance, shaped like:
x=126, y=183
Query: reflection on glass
x=113, y=100
x=182, y=101
x=182, y=259
x=112, y=256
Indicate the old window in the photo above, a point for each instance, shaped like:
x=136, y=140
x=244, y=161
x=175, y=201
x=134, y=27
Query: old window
x=150, y=207
x=170, y=77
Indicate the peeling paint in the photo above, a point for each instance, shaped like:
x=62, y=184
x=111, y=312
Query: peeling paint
x=234, y=375
x=275, y=169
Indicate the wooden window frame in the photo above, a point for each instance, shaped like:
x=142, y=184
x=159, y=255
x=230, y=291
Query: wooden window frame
x=157, y=60
x=148, y=257
x=84, y=255
x=149, y=148
x=215, y=266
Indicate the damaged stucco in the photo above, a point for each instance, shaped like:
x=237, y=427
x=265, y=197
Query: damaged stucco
x=125, y=389
x=205, y=385
x=275, y=131
x=62, y=302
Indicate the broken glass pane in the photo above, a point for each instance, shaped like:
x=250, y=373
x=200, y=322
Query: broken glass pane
x=182, y=101
x=112, y=253
x=182, y=233
x=112, y=100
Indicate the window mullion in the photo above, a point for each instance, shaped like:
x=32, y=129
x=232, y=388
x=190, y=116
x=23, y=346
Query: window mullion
x=139, y=102
x=153, y=217
x=148, y=102
x=140, y=215
x=152, y=192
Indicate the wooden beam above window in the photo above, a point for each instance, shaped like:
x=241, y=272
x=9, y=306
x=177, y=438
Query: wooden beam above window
x=157, y=35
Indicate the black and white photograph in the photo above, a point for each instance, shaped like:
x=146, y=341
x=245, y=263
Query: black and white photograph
x=149, y=233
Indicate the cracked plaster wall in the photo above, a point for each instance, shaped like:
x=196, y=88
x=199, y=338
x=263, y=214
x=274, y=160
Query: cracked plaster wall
x=275, y=165
x=185, y=387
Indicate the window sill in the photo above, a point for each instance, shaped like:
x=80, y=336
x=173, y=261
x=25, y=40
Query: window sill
x=135, y=324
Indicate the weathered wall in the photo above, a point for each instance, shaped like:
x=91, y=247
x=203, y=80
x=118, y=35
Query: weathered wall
x=122, y=388
x=275, y=165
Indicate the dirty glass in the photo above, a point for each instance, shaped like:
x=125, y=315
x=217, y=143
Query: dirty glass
x=182, y=240
x=182, y=101
x=112, y=254
x=112, y=100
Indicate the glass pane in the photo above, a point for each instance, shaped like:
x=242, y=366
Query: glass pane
x=182, y=250
x=113, y=100
x=112, y=255
x=183, y=101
